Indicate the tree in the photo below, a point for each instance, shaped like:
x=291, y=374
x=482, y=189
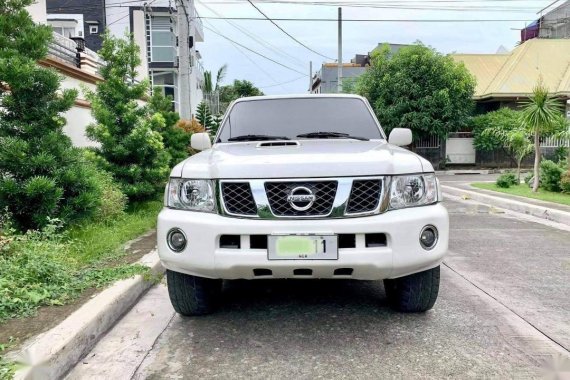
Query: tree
x=541, y=115
x=41, y=174
x=204, y=116
x=175, y=139
x=208, y=86
x=420, y=89
x=503, y=129
x=239, y=89
x=131, y=148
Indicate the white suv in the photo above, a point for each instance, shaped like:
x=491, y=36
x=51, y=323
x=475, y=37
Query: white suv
x=302, y=187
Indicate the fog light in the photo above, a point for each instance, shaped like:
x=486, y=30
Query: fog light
x=176, y=240
x=428, y=237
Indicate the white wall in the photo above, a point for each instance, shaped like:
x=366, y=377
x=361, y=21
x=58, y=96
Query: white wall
x=78, y=117
x=38, y=11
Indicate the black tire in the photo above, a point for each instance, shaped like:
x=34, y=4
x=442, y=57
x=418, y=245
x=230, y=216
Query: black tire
x=191, y=295
x=415, y=293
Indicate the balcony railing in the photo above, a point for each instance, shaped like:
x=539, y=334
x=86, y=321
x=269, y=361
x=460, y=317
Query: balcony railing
x=74, y=53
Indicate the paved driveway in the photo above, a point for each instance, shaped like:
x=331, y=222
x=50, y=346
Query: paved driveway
x=503, y=312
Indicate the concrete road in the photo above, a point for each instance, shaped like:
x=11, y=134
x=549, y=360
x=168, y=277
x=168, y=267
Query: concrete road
x=503, y=311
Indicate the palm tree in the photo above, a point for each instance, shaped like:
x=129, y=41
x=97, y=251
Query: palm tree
x=540, y=114
x=221, y=75
x=208, y=88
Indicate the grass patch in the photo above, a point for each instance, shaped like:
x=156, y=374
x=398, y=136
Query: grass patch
x=524, y=190
x=53, y=268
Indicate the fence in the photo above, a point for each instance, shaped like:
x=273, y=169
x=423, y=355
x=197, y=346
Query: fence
x=64, y=49
x=552, y=142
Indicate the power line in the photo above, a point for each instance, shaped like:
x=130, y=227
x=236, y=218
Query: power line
x=253, y=51
x=249, y=59
x=282, y=83
x=364, y=20
x=257, y=39
x=284, y=31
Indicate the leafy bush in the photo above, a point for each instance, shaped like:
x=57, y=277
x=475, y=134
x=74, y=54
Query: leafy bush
x=176, y=140
x=550, y=175
x=560, y=154
x=190, y=126
x=528, y=179
x=565, y=182
x=41, y=174
x=131, y=146
x=113, y=201
x=507, y=180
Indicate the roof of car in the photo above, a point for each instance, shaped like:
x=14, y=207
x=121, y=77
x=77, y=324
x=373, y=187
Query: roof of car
x=298, y=96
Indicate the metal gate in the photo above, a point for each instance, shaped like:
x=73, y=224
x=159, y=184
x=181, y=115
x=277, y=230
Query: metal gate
x=459, y=148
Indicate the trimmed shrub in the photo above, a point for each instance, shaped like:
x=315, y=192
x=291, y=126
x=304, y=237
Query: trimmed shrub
x=176, y=140
x=529, y=178
x=41, y=174
x=565, y=182
x=507, y=180
x=550, y=175
x=131, y=146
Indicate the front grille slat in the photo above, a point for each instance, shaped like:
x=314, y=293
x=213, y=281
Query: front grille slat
x=238, y=198
x=364, y=196
x=324, y=192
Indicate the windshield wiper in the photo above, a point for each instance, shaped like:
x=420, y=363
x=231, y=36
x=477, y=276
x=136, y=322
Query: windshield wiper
x=257, y=138
x=329, y=135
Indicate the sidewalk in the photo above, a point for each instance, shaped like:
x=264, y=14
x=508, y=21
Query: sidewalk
x=547, y=210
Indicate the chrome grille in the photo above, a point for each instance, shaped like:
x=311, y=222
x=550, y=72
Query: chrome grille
x=364, y=196
x=238, y=199
x=324, y=192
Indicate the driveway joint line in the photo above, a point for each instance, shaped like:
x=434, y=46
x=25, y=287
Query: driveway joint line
x=153, y=346
x=507, y=307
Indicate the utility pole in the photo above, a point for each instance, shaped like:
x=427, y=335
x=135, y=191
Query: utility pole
x=310, y=77
x=339, y=74
x=183, y=17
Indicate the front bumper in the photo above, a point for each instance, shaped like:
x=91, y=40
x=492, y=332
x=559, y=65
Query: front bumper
x=401, y=256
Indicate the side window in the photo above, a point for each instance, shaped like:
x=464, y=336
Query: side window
x=93, y=29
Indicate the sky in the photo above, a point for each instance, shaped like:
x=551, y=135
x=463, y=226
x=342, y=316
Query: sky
x=358, y=37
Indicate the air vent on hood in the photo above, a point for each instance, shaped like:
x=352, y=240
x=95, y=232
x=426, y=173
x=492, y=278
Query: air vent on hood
x=266, y=144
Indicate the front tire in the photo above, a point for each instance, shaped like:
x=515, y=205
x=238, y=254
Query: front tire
x=414, y=293
x=192, y=295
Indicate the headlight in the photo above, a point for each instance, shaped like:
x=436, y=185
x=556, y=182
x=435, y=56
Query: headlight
x=191, y=194
x=413, y=190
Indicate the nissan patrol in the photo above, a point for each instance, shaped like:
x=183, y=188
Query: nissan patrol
x=302, y=187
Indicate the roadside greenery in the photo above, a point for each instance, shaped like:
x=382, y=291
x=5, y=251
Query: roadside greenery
x=542, y=116
x=503, y=129
x=53, y=266
x=238, y=89
x=507, y=180
x=41, y=174
x=176, y=140
x=204, y=116
x=420, y=89
x=524, y=190
x=131, y=146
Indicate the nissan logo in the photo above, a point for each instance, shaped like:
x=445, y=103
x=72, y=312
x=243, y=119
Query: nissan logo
x=301, y=198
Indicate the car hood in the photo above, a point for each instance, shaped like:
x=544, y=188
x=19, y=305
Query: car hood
x=307, y=158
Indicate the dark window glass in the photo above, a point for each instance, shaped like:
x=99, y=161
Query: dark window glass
x=290, y=117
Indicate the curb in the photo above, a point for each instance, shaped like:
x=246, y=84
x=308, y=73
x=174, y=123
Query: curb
x=52, y=354
x=553, y=215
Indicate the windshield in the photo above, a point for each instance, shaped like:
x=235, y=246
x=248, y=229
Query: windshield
x=290, y=117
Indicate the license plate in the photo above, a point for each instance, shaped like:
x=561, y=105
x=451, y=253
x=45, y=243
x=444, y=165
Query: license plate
x=302, y=247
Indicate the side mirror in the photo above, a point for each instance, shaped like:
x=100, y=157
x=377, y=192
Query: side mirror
x=400, y=136
x=200, y=141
